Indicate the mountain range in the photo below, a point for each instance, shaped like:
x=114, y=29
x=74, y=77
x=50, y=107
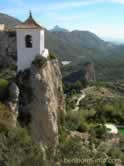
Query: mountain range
x=9, y=21
x=58, y=29
x=80, y=47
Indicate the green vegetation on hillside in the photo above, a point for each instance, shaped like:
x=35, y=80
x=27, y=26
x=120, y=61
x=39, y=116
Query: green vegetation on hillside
x=3, y=86
x=17, y=149
x=92, y=147
x=84, y=139
x=121, y=130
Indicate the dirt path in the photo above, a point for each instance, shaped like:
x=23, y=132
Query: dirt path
x=83, y=95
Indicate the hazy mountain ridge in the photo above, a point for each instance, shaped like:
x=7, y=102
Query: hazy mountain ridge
x=75, y=44
x=67, y=45
x=80, y=47
x=9, y=21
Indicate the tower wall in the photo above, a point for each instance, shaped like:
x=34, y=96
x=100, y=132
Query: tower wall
x=26, y=55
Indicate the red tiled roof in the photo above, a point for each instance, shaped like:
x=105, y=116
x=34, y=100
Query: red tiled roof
x=30, y=23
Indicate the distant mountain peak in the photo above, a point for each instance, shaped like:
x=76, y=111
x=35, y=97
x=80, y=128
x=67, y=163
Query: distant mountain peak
x=58, y=29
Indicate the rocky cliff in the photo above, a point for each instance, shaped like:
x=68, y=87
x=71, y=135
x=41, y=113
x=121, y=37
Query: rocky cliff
x=41, y=94
x=7, y=50
x=89, y=72
x=46, y=100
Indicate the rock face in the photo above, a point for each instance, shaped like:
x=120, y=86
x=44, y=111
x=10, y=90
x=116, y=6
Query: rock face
x=47, y=102
x=13, y=94
x=7, y=49
x=89, y=72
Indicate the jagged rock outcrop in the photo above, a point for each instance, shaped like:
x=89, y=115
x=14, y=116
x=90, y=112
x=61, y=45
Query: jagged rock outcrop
x=46, y=101
x=13, y=90
x=12, y=103
x=89, y=72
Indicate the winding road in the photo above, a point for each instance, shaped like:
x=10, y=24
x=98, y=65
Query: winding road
x=83, y=95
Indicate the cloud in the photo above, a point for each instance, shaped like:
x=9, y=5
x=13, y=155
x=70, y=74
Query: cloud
x=18, y=3
x=71, y=4
x=64, y=5
x=118, y=1
x=70, y=17
x=106, y=30
x=58, y=6
x=54, y=6
x=49, y=6
x=78, y=4
x=21, y=6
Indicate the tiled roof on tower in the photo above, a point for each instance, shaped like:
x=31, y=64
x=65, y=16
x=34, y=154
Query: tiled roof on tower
x=30, y=23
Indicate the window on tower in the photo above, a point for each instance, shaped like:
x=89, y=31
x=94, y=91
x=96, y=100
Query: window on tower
x=28, y=41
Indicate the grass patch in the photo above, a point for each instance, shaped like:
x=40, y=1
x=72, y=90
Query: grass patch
x=121, y=130
x=3, y=85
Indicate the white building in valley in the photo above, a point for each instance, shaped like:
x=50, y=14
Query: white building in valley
x=112, y=129
x=30, y=43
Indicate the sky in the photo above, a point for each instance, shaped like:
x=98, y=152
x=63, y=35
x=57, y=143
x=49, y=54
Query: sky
x=105, y=18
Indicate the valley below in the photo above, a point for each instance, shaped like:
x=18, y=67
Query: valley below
x=60, y=107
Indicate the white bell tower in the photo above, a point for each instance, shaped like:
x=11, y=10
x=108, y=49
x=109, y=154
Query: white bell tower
x=30, y=43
